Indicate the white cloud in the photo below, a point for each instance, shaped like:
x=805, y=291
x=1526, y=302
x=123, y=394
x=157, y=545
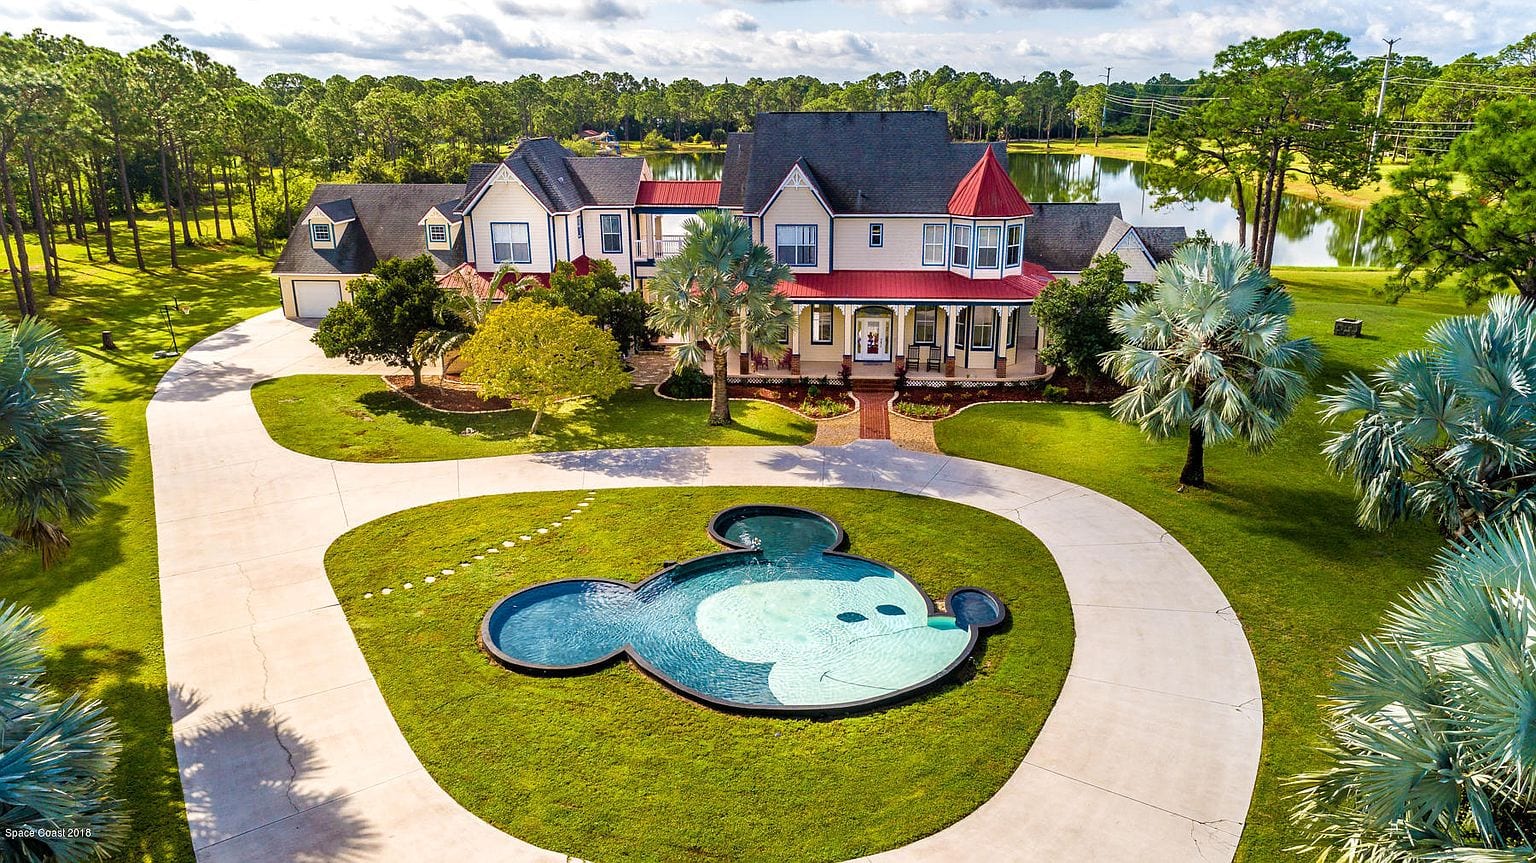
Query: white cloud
x=734, y=19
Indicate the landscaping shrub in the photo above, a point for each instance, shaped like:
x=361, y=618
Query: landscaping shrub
x=1054, y=393
x=821, y=408
x=687, y=383
x=921, y=411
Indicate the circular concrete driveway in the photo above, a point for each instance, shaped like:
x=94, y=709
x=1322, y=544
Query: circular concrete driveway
x=288, y=752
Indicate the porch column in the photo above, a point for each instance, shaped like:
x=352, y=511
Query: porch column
x=1000, y=341
x=901, y=338
x=1039, y=346
x=794, y=341
x=848, y=339
x=746, y=359
x=950, y=314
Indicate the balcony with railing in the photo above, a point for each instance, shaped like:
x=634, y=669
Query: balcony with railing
x=656, y=248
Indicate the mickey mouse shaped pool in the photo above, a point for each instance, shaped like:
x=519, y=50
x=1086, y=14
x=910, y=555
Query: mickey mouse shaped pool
x=783, y=621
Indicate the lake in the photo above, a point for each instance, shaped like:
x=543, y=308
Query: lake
x=1311, y=233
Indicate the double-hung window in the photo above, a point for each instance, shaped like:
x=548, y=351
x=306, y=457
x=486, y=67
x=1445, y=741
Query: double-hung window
x=987, y=237
x=510, y=243
x=319, y=234
x=933, y=245
x=796, y=245
x=1013, y=249
x=981, y=331
x=437, y=235
x=925, y=325
x=612, y=231
x=876, y=235
x=821, y=325
x=960, y=240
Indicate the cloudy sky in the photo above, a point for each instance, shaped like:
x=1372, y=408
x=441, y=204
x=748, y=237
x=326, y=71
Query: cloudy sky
x=836, y=39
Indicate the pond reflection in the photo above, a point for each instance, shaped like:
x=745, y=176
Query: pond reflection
x=1310, y=233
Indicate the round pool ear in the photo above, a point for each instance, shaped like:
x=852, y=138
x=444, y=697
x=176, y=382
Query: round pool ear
x=973, y=607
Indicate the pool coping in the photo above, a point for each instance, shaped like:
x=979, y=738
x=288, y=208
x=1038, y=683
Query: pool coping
x=903, y=695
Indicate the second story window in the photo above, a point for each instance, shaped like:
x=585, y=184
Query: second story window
x=437, y=235
x=613, y=238
x=510, y=243
x=796, y=245
x=962, y=246
x=987, y=237
x=933, y=245
x=320, y=234
x=876, y=235
x=1013, y=250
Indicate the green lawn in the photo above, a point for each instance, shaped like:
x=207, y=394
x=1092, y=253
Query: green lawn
x=612, y=766
x=1276, y=531
x=359, y=418
x=102, y=605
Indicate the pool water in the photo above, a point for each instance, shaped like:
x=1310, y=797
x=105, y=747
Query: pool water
x=782, y=621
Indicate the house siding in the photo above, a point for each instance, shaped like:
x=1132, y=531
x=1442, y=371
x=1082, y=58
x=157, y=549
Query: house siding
x=508, y=201
x=592, y=236
x=903, y=249
x=800, y=206
x=1138, y=267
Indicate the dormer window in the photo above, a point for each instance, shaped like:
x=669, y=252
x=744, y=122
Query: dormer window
x=320, y=235
x=437, y=235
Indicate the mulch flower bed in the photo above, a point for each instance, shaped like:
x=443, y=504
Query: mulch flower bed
x=791, y=395
x=955, y=398
x=446, y=395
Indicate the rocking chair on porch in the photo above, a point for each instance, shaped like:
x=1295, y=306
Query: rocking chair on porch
x=914, y=358
x=933, y=364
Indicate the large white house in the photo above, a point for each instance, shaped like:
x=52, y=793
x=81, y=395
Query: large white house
x=910, y=251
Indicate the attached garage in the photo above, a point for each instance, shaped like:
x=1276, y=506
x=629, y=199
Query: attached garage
x=313, y=298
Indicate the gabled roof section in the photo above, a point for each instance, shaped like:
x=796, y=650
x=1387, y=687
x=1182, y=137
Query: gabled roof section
x=387, y=224
x=800, y=176
x=987, y=191
x=338, y=210
x=561, y=181
x=678, y=193
x=446, y=209
x=1064, y=237
x=876, y=162
x=1161, y=241
x=1116, y=232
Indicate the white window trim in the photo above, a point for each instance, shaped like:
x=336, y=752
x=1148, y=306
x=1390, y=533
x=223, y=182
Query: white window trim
x=436, y=241
x=933, y=333
x=989, y=327
x=956, y=246
x=512, y=244
x=942, y=245
x=330, y=234
x=617, y=235
x=994, y=247
x=817, y=313
x=877, y=235
x=1013, y=250
x=813, y=245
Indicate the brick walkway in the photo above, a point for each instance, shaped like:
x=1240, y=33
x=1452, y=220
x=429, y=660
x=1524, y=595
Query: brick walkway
x=651, y=368
x=874, y=421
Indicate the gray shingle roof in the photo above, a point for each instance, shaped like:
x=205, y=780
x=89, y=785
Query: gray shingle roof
x=1064, y=237
x=606, y=180
x=450, y=209
x=387, y=225
x=1160, y=241
x=733, y=176
x=865, y=161
x=338, y=211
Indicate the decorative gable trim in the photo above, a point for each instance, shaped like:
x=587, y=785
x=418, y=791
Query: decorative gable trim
x=796, y=179
x=502, y=174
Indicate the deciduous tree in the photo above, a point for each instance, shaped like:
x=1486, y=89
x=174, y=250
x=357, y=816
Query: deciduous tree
x=1075, y=316
x=390, y=307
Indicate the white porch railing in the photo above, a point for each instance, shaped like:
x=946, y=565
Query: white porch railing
x=656, y=248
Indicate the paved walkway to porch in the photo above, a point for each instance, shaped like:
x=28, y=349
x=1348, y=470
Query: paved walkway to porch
x=288, y=751
x=874, y=415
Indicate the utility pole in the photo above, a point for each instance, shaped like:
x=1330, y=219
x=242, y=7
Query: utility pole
x=1381, y=96
x=1103, y=107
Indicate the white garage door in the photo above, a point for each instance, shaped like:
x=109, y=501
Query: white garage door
x=315, y=298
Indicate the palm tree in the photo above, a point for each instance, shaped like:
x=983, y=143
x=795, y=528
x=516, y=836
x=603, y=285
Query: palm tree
x=56, y=758
x=1209, y=352
x=54, y=458
x=721, y=289
x=463, y=307
x=1431, y=754
x=1449, y=432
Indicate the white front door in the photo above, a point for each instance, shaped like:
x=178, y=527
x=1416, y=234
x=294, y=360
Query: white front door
x=873, y=343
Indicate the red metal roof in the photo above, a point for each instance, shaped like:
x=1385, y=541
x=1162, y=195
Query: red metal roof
x=678, y=193
x=906, y=285
x=987, y=191
x=582, y=265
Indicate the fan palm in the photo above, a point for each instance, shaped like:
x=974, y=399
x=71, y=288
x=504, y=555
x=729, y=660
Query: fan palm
x=721, y=289
x=54, y=458
x=56, y=758
x=1432, y=754
x=1209, y=352
x=1448, y=432
x=461, y=311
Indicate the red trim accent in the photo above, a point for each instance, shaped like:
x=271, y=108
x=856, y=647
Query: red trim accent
x=907, y=285
x=678, y=193
x=987, y=191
